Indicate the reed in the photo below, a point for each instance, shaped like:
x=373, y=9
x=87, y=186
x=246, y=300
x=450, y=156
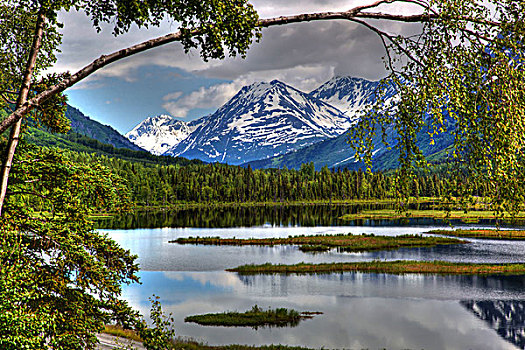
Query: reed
x=483, y=234
x=398, y=267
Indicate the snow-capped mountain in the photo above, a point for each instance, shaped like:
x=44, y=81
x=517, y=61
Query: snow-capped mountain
x=160, y=133
x=261, y=121
x=351, y=95
x=348, y=94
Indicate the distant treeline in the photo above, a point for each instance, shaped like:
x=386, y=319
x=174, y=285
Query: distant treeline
x=203, y=183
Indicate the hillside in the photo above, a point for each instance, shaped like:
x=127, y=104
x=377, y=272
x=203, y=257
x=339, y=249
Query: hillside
x=80, y=143
x=84, y=125
x=116, y=145
x=337, y=153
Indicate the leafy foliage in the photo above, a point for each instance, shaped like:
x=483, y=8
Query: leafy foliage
x=61, y=280
x=160, y=336
x=462, y=73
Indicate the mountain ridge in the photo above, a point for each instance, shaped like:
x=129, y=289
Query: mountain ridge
x=260, y=121
x=159, y=133
x=274, y=125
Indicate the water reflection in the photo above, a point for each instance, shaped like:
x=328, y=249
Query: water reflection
x=506, y=317
x=354, y=284
x=360, y=310
x=156, y=254
x=237, y=216
x=278, y=215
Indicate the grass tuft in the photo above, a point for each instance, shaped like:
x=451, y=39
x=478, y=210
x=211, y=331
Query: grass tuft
x=120, y=332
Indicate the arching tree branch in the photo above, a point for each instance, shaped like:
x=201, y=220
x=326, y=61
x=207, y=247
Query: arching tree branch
x=382, y=35
x=103, y=61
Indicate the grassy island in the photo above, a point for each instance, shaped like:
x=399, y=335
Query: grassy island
x=343, y=242
x=256, y=317
x=483, y=234
x=391, y=267
x=470, y=216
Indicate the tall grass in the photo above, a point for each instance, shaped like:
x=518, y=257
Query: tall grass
x=391, y=267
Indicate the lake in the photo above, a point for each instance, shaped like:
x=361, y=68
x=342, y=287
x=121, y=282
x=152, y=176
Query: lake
x=359, y=310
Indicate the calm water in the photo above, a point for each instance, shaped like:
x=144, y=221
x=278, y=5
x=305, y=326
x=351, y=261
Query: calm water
x=360, y=310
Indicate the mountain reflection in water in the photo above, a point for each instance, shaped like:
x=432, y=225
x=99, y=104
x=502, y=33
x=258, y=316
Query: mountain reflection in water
x=506, y=317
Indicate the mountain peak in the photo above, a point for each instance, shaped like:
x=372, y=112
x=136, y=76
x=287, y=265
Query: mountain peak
x=262, y=120
x=349, y=94
x=159, y=133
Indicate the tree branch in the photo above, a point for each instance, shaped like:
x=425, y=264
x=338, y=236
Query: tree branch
x=105, y=60
x=8, y=92
x=383, y=34
x=7, y=100
x=32, y=181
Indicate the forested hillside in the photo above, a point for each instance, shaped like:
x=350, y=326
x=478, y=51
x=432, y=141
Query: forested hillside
x=79, y=143
x=84, y=125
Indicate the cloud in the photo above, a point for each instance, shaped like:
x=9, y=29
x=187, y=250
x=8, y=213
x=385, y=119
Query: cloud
x=304, y=78
x=303, y=55
x=205, y=97
x=173, y=96
x=340, y=46
x=81, y=43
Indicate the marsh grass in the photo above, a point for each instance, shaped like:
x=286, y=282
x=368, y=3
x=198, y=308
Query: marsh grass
x=120, y=332
x=256, y=317
x=483, y=234
x=470, y=216
x=343, y=242
x=398, y=267
x=184, y=344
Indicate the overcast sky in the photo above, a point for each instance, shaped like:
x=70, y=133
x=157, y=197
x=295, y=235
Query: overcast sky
x=167, y=81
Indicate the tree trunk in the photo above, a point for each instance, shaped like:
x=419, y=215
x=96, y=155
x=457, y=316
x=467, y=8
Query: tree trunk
x=22, y=99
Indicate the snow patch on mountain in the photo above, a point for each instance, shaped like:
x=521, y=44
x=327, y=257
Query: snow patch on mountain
x=260, y=121
x=348, y=94
x=160, y=133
